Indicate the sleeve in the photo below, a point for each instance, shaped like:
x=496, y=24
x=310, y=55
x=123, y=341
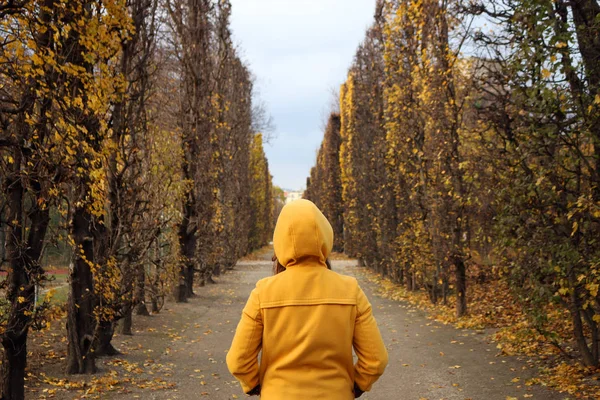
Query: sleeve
x=242, y=358
x=368, y=345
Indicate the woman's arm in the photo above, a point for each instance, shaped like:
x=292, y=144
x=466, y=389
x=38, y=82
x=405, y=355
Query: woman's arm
x=242, y=358
x=368, y=345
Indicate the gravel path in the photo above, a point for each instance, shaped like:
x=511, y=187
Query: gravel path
x=427, y=360
x=185, y=346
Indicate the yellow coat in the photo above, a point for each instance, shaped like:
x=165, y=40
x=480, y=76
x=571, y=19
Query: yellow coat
x=306, y=320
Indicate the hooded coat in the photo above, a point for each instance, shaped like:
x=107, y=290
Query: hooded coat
x=306, y=321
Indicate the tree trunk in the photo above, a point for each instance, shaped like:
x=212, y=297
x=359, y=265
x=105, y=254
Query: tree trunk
x=181, y=289
x=154, y=287
x=140, y=292
x=410, y=281
x=578, y=334
x=12, y=370
x=154, y=304
x=434, y=289
x=80, y=306
x=103, y=338
x=578, y=330
x=461, y=286
x=588, y=315
x=187, y=241
x=445, y=290
x=14, y=340
x=24, y=273
x=400, y=278
x=209, y=278
x=2, y=243
x=127, y=322
x=189, y=280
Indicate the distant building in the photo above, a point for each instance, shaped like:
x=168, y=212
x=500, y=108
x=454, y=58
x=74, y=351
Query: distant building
x=292, y=195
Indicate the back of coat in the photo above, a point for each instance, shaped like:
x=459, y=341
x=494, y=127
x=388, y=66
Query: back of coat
x=306, y=321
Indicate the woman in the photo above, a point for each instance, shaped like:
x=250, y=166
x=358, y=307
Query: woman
x=306, y=320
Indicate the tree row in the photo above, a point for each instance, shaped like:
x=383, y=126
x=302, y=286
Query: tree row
x=129, y=137
x=467, y=147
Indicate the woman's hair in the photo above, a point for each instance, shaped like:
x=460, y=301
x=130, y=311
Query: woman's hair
x=277, y=267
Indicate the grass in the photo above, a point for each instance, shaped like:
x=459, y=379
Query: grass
x=59, y=279
x=58, y=296
x=56, y=289
x=57, y=286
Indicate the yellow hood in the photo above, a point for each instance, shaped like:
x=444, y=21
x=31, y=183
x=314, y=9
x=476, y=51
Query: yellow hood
x=303, y=236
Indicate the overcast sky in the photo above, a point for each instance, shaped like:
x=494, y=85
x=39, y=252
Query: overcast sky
x=298, y=50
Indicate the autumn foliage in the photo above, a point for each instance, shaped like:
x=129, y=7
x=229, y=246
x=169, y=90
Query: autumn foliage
x=469, y=156
x=127, y=134
x=324, y=185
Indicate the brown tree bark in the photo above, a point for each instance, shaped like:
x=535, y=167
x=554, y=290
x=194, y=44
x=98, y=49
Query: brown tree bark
x=154, y=301
x=461, y=286
x=192, y=25
x=23, y=275
x=189, y=280
x=578, y=333
x=14, y=341
x=103, y=336
x=12, y=370
x=187, y=241
x=410, y=280
x=126, y=323
x=139, y=295
x=80, y=306
x=23, y=247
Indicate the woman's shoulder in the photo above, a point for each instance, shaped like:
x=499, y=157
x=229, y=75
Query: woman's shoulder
x=322, y=283
x=265, y=281
x=347, y=279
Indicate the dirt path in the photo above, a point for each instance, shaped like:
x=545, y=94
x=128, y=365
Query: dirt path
x=429, y=360
x=184, y=350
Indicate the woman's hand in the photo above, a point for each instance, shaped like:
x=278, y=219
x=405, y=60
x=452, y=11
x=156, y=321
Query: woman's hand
x=255, y=391
x=357, y=391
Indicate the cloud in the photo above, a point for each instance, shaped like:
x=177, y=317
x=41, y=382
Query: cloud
x=298, y=50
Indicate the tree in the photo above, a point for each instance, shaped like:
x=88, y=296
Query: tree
x=90, y=24
x=51, y=140
x=541, y=103
x=401, y=157
x=132, y=219
x=133, y=140
x=490, y=158
x=260, y=197
x=191, y=27
x=278, y=203
x=25, y=183
x=326, y=193
x=363, y=141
